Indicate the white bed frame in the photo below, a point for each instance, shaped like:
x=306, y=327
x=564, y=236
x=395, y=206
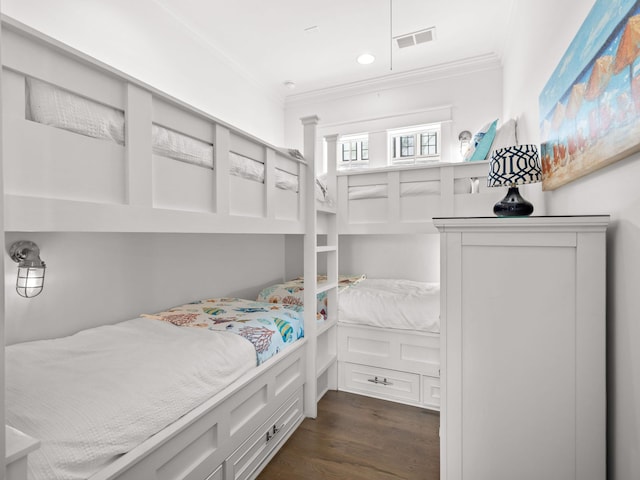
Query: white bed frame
x=62, y=181
x=398, y=365
x=398, y=214
x=58, y=181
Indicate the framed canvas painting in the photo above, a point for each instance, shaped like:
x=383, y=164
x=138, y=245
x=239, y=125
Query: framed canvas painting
x=590, y=107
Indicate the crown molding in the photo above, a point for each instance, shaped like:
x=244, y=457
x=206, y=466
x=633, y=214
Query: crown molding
x=465, y=66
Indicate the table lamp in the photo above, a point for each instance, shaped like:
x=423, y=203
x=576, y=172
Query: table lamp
x=512, y=166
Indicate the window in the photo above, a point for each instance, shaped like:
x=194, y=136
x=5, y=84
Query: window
x=414, y=145
x=354, y=151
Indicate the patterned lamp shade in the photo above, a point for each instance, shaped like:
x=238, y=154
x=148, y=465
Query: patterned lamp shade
x=515, y=165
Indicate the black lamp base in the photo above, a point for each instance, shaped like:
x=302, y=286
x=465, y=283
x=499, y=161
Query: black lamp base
x=513, y=205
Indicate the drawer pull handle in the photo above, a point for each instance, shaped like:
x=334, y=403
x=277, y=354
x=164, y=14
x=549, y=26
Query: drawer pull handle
x=384, y=381
x=274, y=431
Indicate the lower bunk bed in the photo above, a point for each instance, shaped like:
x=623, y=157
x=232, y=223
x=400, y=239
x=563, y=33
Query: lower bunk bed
x=389, y=341
x=208, y=390
x=388, y=336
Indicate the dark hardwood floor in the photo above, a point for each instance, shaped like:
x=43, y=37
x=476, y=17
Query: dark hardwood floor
x=360, y=438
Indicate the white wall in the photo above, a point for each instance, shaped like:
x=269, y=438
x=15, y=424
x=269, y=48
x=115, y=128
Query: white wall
x=470, y=94
x=97, y=278
x=412, y=257
x=542, y=33
x=141, y=39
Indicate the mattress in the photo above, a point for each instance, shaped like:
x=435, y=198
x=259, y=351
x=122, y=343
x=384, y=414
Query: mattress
x=392, y=303
x=95, y=395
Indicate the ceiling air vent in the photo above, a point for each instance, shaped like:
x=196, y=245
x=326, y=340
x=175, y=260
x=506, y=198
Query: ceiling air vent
x=415, y=38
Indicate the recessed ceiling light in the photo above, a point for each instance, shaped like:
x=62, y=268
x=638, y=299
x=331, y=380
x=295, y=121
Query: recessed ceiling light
x=290, y=85
x=366, y=59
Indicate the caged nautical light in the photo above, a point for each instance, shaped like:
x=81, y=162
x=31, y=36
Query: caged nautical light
x=30, y=268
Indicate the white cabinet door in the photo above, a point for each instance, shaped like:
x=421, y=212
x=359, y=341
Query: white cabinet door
x=523, y=347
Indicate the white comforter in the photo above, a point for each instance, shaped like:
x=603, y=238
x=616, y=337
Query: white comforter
x=390, y=303
x=95, y=395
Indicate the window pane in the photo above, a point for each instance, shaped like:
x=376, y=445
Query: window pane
x=407, y=146
x=346, y=153
x=353, y=146
x=429, y=143
x=365, y=150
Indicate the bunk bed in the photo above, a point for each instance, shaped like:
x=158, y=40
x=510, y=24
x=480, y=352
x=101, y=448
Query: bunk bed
x=389, y=341
x=90, y=149
x=150, y=163
x=399, y=200
x=388, y=335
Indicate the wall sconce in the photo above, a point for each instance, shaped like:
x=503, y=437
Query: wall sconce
x=465, y=141
x=30, y=268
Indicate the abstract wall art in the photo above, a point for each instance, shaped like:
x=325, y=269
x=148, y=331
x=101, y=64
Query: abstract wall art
x=590, y=107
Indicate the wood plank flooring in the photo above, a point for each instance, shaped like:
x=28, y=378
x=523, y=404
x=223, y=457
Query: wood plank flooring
x=360, y=438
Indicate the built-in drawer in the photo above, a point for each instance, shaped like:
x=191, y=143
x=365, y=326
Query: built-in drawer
x=400, y=350
x=379, y=382
x=431, y=392
x=248, y=457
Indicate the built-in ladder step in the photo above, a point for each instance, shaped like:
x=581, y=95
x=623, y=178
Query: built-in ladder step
x=326, y=248
x=326, y=286
x=325, y=325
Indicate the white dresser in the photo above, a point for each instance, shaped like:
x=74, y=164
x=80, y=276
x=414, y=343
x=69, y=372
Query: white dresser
x=523, y=348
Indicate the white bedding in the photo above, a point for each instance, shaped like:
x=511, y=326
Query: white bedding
x=407, y=189
x=54, y=106
x=95, y=395
x=178, y=146
x=391, y=303
x=251, y=169
x=323, y=193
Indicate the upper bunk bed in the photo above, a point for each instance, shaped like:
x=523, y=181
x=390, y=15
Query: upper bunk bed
x=404, y=200
x=88, y=148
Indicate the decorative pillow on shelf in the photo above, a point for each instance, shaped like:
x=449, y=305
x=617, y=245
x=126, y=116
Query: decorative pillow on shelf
x=505, y=136
x=475, y=140
x=482, y=141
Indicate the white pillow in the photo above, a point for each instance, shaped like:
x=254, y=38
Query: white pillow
x=505, y=137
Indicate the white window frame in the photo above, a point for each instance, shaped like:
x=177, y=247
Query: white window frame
x=415, y=133
x=358, y=143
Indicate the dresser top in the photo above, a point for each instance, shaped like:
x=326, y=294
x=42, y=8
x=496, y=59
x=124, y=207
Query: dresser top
x=538, y=223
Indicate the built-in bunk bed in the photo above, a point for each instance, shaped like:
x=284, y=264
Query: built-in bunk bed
x=389, y=328
x=89, y=149
x=387, y=335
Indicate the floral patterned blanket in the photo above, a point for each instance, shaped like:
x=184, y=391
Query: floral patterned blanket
x=292, y=293
x=269, y=327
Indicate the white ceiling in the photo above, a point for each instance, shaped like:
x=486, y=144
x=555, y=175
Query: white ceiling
x=267, y=41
